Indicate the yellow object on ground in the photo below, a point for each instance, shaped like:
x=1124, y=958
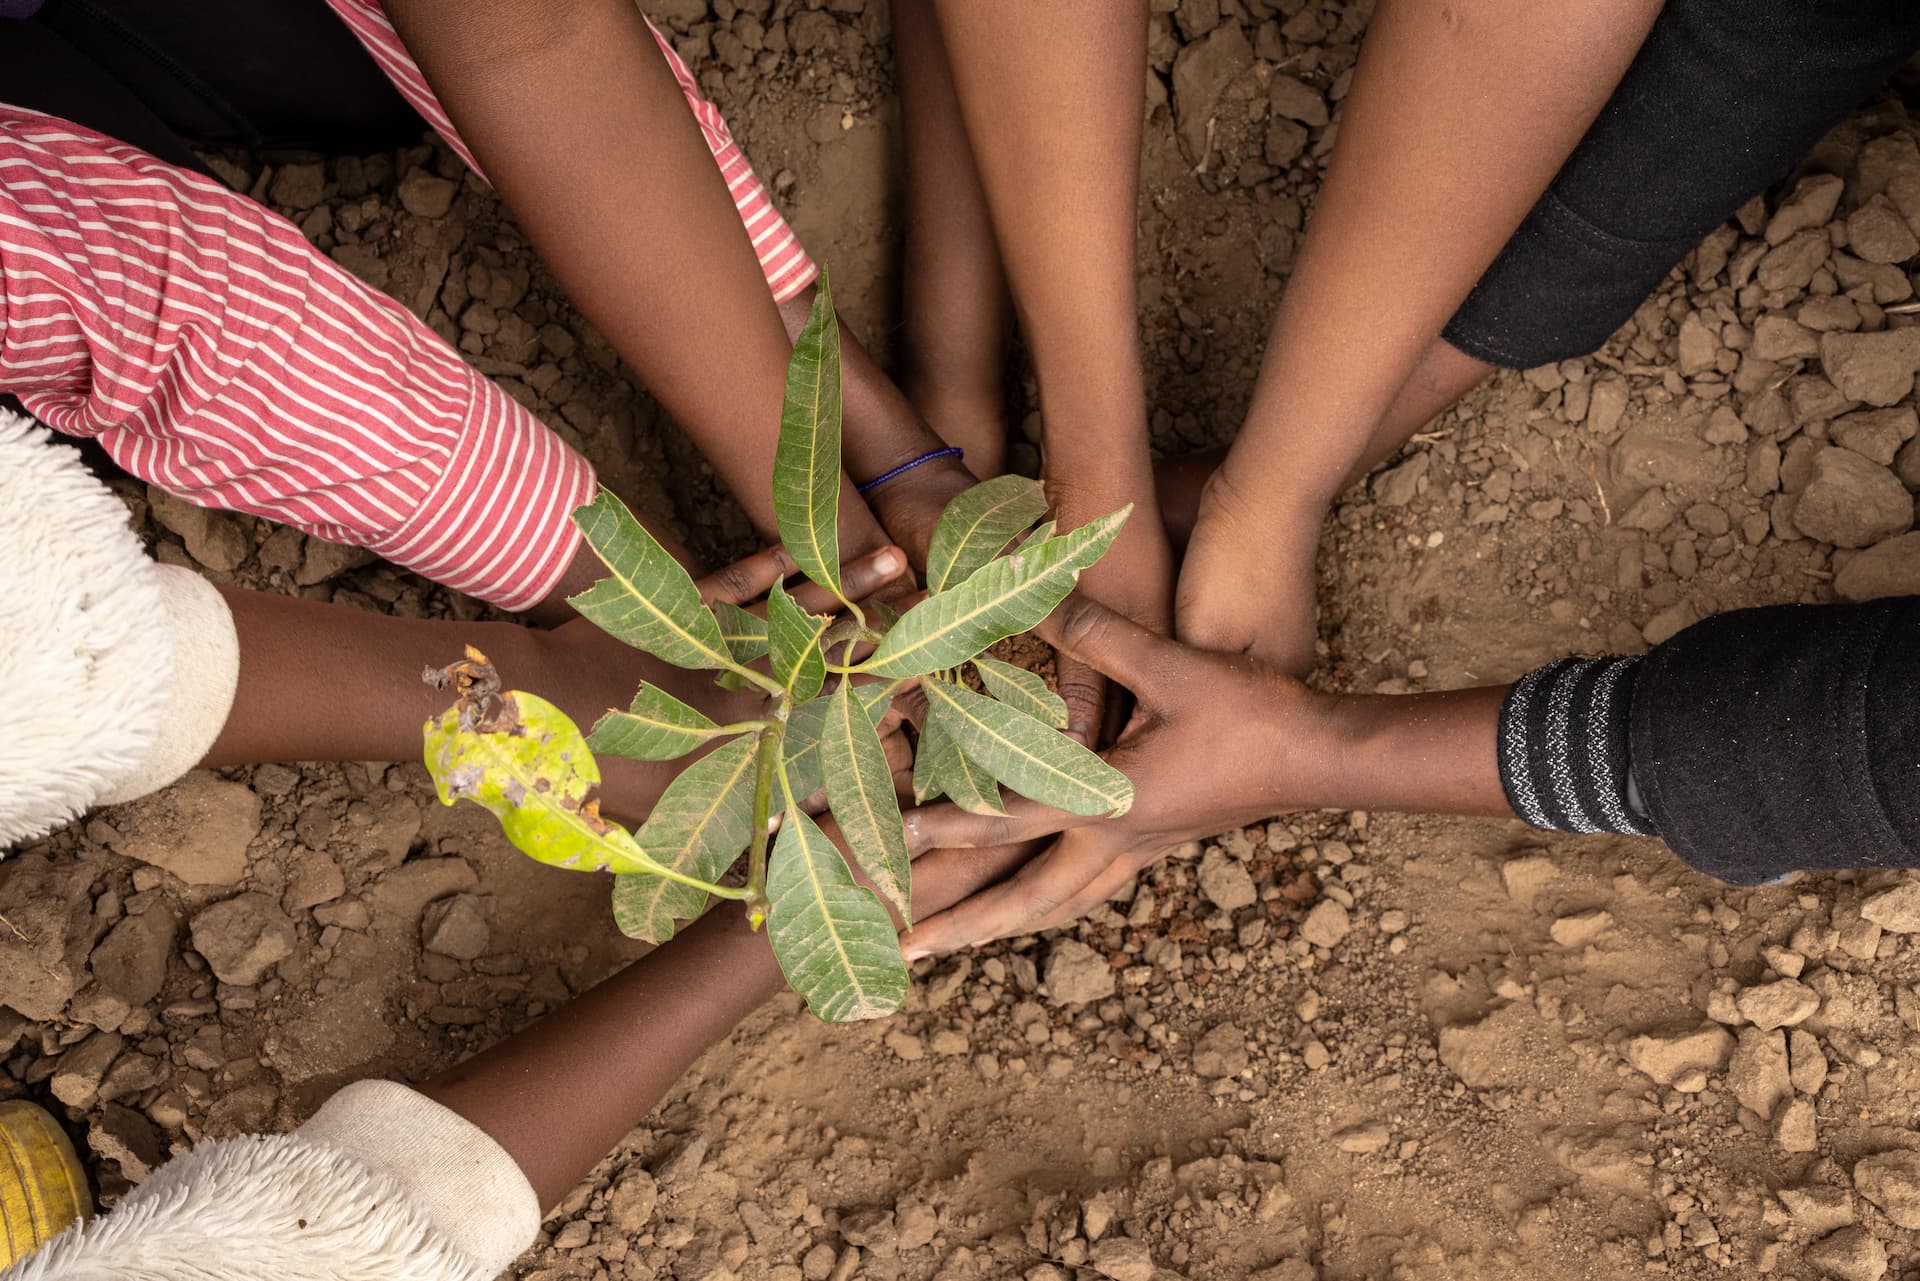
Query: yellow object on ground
x=42, y=1186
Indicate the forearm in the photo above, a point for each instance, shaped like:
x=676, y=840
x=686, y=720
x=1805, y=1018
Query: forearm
x=1051, y=102
x=584, y=131
x=1428, y=753
x=649, y=1023
x=1417, y=203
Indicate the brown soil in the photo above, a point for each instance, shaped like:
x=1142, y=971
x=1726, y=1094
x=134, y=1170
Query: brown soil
x=1405, y=1048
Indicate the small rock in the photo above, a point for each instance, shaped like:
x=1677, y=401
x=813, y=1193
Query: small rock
x=1795, y=1129
x=1876, y=434
x=1850, y=502
x=1297, y=100
x=631, y=1201
x=1399, y=485
x=298, y=186
x=1778, y=1004
x=906, y=1046
x=126, y=1138
x=76, y=1078
x=1851, y=1254
x=1326, y=924
x=316, y=879
x=1891, y=1180
x=1809, y=1070
x=1221, y=1052
x=243, y=937
x=1581, y=928
x=1201, y=74
x=1226, y=882
x=1896, y=910
x=459, y=925
x=1875, y=368
x=131, y=961
x=1668, y=1058
x=1362, y=1139
x=426, y=195
x=323, y=560
x=198, y=829
x=1877, y=233
x=212, y=538
x=1077, y=974
x=1811, y=206
x=1699, y=345
x=1888, y=568
x=1757, y=1073
x=43, y=946
x=1818, y=1208
x=1790, y=266
x=1123, y=1259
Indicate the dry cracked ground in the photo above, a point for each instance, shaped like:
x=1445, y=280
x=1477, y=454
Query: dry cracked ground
x=1336, y=1046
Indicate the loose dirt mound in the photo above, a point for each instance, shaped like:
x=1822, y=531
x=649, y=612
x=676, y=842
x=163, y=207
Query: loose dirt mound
x=1339, y=1046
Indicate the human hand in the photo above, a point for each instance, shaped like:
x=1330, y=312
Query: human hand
x=1135, y=579
x=1216, y=741
x=1247, y=582
x=909, y=505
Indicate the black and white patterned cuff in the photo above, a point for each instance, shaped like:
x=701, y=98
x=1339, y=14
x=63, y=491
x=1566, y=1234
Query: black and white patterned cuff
x=1564, y=747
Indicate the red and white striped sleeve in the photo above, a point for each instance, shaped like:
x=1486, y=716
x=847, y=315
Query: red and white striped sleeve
x=783, y=259
x=213, y=352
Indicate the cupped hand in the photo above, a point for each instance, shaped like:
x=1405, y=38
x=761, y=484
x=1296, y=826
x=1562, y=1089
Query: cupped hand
x=1216, y=741
x=1247, y=582
x=1134, y=578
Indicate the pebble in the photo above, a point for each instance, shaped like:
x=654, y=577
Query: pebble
x=1891, y=1180
x=1876, y=368
x=1877, y=233
x=1581, y=928
x=426, y=195
x=1811, y=205
x=1896, y=910
x=1123, y=1259
x=1077, y=974
x=130, y=963
x=1888, y=568
x=1669, y=1058
x=1757, y=1073
x=1326, y=924
x=1795, y=1129
x=1818, y=1208
x=1222, y=1052
x=1226, y=882
x=1779, y=1004
x=459, y=926
x=1364, y=1139
x=243, y=937
x=198, y=829
x=1809, y=1062
x=1852, y=502
x=1851, y=1254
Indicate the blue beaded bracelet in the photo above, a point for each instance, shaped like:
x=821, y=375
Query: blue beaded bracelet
x=951, y=451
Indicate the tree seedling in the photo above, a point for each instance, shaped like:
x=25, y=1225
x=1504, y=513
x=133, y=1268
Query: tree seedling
x=523, y=759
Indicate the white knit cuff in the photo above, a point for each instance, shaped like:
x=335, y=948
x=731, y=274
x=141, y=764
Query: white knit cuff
x=455, y=1174
x=206, y=671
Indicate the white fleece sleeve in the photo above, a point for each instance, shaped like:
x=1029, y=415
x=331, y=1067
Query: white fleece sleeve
x=458, y=1178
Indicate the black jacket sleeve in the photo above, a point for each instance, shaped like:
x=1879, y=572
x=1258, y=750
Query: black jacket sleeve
x=1756, y=743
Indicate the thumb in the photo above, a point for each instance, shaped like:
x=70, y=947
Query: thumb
x=1084, y=630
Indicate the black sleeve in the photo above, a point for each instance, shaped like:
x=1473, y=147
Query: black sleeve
x=1756, y=743
x=1774, y=740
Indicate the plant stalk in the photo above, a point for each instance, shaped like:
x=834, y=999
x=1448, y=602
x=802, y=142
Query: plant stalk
x=772, y=740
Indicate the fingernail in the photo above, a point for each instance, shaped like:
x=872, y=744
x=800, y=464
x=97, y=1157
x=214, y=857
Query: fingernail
x=887, y=563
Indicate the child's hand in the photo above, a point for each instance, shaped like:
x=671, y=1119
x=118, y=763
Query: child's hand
x=1216, y=741
x=909, y=506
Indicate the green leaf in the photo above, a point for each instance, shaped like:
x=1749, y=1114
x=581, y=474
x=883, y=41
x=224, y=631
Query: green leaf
x=977, y=524
x=833, y=939
x=528, y=764
x=969, y=784
x=1018, y=687
x=793, y=635
x=807, y=726
x=650, y=602
x=934, y=744
x=744, y=633
x=806, y=464
x=698, y=827
x=1029, y=757
x=659, y=727
x=1004, y=598
x=860, y=789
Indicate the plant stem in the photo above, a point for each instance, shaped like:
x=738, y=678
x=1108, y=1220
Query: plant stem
x=772, y=739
